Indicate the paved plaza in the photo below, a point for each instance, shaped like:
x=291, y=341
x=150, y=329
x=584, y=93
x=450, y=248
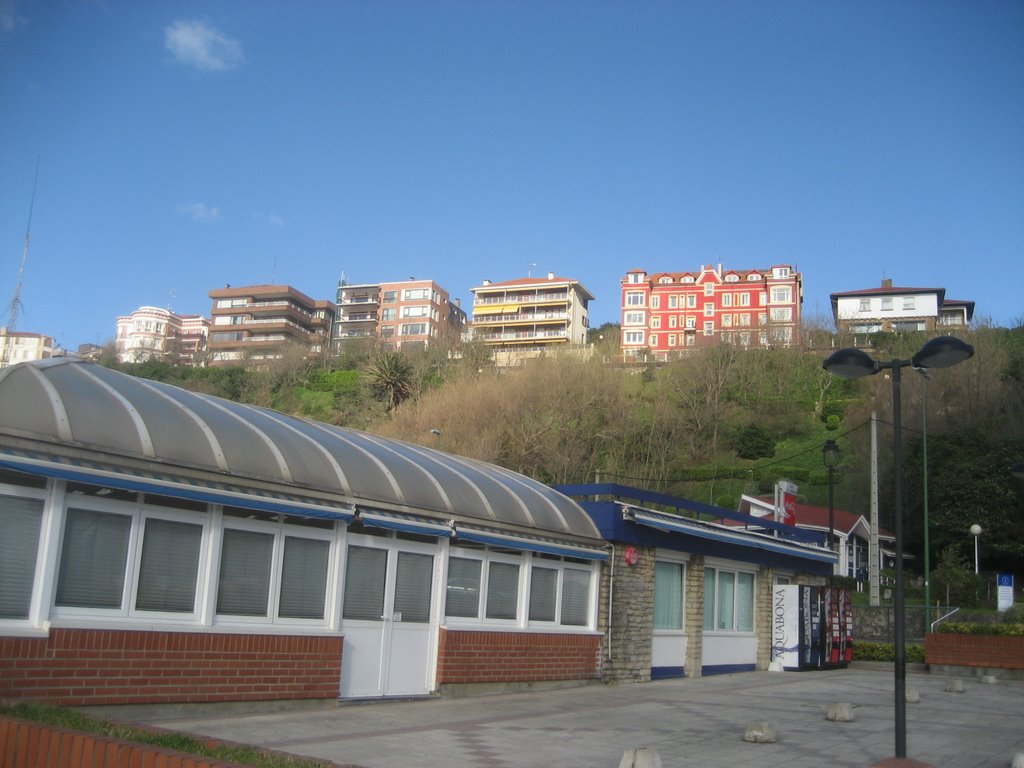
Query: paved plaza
x=689, y=722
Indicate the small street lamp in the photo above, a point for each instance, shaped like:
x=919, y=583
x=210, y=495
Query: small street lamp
x=437, y=438
x=830, y=456
x=975, y=532
x=850, y=363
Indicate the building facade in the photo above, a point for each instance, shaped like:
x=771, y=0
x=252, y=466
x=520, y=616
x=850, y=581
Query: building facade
x=258, y=323
x=21, y=346
x=152, y=333
x=890, y=308
x=667, y=313
x=408, y=313
x=529, y=315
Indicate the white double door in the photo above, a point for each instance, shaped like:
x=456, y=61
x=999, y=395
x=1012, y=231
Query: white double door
x=388, y=617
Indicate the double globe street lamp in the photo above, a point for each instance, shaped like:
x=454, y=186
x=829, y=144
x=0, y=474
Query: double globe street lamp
x=830, y=458
x=940, y=352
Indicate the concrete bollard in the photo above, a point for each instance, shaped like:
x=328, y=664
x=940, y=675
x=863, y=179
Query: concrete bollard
x=760, y=732
x=989, y=679
x=955, y=685
x=640, y=757
x=913, y=697
x=840, y=713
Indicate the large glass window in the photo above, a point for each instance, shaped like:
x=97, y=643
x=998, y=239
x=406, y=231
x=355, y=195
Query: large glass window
x=575, y=597
x=728, y=600
x=20, y=520
x=365, y=575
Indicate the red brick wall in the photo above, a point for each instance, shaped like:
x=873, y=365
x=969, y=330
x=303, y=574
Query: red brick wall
x=516, y=657
x=29, y=745
x=92, y=667
x=990, y=651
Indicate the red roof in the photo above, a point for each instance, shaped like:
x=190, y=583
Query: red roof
x=817, y=517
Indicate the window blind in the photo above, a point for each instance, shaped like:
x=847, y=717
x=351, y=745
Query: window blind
x=244, y=586
x=93, y=557
x=543, y=594
x=412, y=587
x=575, y=597
x=365, y=573
x=169, y=567
x=20, y=520
x=502, y=590
x=462, y=592
x=304, y=578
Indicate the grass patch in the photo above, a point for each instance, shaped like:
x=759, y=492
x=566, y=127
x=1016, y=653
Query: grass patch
x=65, y=717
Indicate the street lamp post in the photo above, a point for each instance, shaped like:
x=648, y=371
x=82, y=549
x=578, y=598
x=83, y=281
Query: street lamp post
x=975, y=532
x=830, y=457
x=850, y=363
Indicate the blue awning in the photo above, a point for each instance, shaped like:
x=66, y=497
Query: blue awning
x=397, y=521
x=179, y=486
x=724, y=535
x=530, y=544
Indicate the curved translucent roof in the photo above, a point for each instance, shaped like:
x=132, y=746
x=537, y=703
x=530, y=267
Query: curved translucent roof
x=109, y=414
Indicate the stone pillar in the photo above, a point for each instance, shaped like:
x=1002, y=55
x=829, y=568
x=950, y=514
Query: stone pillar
x=694, y=620
x=763, y=616
x=632, y=616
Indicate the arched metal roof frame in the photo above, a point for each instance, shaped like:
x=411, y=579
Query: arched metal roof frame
x=72, y=418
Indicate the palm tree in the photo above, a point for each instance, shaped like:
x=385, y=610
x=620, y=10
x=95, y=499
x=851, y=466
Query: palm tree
x=391, y=377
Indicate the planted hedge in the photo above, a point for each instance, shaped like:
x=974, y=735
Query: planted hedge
x=867, y=651
x=965, y=628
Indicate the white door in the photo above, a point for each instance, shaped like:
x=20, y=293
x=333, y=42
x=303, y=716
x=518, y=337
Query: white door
x=386, y=619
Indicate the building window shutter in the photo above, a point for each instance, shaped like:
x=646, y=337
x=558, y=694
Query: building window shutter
x=93, y=557
x=20, y=520
x=244, y=573
x=365, y=573
x=502, y=591
x=462, y=594
x=412, y=587
x=170, y=564
x=304, y=578
x=543, y=594
x=575, y=597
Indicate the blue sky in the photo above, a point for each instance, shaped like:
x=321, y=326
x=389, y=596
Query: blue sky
x=187, y=145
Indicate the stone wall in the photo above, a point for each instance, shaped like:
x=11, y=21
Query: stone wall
x=694, y=623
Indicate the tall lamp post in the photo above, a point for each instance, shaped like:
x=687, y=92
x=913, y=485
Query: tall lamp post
x=940, y=352
x=830, y=457
x=975, y=532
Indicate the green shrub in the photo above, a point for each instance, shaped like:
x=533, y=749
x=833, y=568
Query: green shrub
x=866, y=651
x=965, y=628
x=1015, y=614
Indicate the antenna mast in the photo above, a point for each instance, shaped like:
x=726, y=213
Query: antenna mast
x=16, y=299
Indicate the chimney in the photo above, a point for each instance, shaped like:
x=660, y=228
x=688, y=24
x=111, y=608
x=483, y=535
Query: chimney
x=551, y=275
x=887, y=282
x=458, y=302
x=487, y=282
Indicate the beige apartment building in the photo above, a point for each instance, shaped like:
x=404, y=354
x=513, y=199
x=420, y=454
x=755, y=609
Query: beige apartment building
x=527, y=316
x=21, y=346
x=403, y=314
x=257, y=323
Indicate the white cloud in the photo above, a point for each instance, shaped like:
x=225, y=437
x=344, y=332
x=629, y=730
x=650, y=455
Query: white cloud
x=274, y=220
x=10, y=19
x=198, y=45
x=200, y=211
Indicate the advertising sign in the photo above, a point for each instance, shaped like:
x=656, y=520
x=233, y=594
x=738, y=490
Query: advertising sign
x=1004, y=593
x=786, y=625
x=785, y=502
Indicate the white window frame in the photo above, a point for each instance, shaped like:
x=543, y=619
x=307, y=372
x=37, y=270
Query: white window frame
x=633, y=338
x=634, y=317
x=635, y=299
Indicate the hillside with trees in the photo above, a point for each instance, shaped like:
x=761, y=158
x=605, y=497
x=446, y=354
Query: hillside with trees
x=710, y=426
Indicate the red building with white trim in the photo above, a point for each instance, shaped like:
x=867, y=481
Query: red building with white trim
x=667, y=313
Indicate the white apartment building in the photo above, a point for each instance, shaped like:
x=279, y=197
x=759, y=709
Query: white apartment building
x=891, y=308
x=153, y=333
